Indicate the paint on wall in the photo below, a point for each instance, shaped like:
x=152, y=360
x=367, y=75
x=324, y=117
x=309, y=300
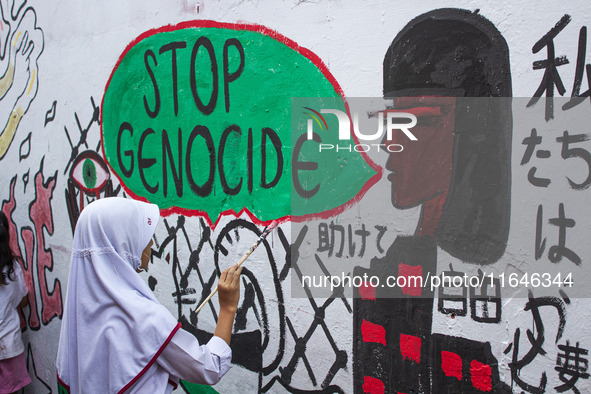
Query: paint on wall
x=36, y=255
x=199, y=131
x=22, y=43
x=461, y=173
x=477, y=341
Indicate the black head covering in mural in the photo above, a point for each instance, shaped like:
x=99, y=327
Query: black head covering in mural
x=458, y=53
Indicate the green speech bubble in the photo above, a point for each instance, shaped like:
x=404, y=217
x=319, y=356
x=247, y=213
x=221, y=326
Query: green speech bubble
x=196, y=118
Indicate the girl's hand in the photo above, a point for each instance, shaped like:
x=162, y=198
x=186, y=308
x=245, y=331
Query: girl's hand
x=229, y=289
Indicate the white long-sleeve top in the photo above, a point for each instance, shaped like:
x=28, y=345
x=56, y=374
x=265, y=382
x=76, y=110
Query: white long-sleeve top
x=183, y=358
x=11, y=294
x=116, y=337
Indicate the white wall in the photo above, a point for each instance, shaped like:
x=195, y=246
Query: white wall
x=81, y=43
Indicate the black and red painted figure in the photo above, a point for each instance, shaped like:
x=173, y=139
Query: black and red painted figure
x=459, y=174
x=89, y=177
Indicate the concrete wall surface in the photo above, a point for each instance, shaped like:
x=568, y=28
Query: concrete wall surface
x=188, y=104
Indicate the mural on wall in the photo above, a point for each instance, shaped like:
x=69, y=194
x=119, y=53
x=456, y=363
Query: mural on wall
x=37, y=257
x=189, y=93
x=460, y=176
x=44, y=294
x=549, y=240
x=21, y=44
x=89, y=176
x=38, y=384
x=195, y=117
x=264, y=336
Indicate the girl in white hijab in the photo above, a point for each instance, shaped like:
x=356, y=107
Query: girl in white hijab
x=115, y=336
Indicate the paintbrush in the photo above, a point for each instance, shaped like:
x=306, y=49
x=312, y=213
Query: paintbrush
x=264, y=234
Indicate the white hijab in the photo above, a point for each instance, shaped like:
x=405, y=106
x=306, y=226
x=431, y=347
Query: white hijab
x=113, y=327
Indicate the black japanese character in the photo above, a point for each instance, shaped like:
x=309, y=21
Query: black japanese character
x=531, y=142
x=551, y=77
x=536, y=339
x=584, y=154
x=571, y=366
x=576, y=96
x=557, y=252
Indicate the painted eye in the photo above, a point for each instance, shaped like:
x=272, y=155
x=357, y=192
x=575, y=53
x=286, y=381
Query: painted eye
x=89, y=172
